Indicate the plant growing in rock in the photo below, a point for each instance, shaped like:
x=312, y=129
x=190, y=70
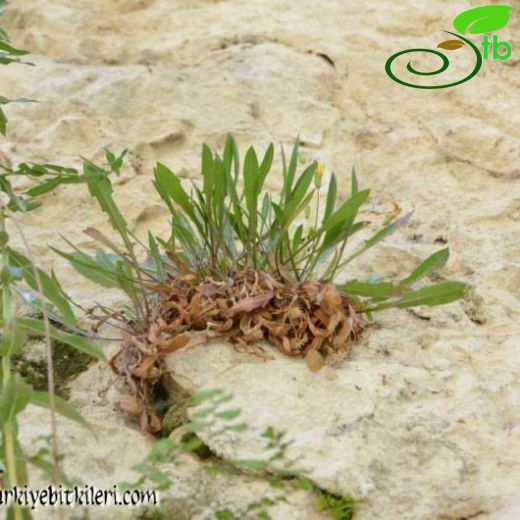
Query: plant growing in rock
x=244, y=264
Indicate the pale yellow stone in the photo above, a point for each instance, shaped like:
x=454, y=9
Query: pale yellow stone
x=423, y=423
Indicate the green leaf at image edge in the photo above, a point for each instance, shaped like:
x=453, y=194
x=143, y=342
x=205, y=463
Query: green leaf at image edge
x=81, y=343
x=63, y=407
x=15, y=396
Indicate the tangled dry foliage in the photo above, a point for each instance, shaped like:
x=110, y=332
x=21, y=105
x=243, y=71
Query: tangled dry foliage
x=309, y=319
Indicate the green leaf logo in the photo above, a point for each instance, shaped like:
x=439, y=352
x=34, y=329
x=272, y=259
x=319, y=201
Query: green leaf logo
x=488, y=18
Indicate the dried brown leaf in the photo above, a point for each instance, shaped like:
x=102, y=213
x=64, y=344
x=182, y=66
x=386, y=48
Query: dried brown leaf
x=131, y=404
x=154, y=422
x=175, y=343
x=332, y=300
x=251, y=303
x=144, y=369
x=314, y=360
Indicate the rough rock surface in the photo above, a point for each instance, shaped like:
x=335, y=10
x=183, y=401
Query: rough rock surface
x=105, y=455
x=423, y=422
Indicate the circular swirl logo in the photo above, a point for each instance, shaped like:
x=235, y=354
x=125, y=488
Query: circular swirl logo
x=479, y=20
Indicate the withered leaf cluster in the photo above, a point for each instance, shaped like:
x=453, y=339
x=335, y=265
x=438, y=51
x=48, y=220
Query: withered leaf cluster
x=302, y=319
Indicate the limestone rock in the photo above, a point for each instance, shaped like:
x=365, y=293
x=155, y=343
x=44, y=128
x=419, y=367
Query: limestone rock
x=423, y=421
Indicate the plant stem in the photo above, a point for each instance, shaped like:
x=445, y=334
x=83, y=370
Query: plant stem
x=130, y=248
x=49, y=355
x=8, y=426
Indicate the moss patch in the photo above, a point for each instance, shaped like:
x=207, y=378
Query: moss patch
x=68, y=363
x=174, y=417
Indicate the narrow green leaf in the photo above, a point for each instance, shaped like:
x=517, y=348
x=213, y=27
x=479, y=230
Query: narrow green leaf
x=241, y=427
x=39, y=170
x=437, y=294
x=369, y=290
x=346, y=211
x=81, y=343
x=291, y=171
x=192, y=444
x=63, y=407
x=123, y=274
x=379, y=236
x=266, y=209
x=197, y=426
x=15, y=396
x=44, y=187
x=156, y=257
x=6, y=47
x=289, y=218
x=228, y=153
x=100, y=188
x=354, y=182
x=207, y=171
x=89, y=268
x=300, y=190
x=204, y=395
x=170, y=188
x=331, y=197
x=13, y=339
x=228, y=414
x=297, y=238
x=267, y=161
x=51, y=288
x=250, y=174
x=430, y=265
x=339, y=233
x=254, y=464
x=232, y=157
x=236, y=217
x=278, y=212
x=250, y=178
x=219, y=193
x=3, y=122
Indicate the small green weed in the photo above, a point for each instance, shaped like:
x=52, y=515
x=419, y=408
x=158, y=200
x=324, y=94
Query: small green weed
x=340, y=508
